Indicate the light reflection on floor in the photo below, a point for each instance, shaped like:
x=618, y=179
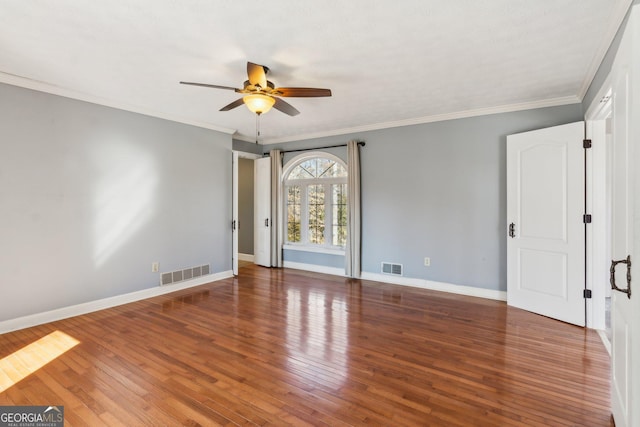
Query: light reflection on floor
x=318, y=328
x=22, y=363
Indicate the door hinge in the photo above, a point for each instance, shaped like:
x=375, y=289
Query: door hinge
x=586, y=218
x=586, y=143
x=586, y=293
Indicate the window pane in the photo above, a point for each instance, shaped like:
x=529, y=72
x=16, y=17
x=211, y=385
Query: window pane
x=339, y=211
x=336, y=171
x=300, y=172
x=316, y=213
x=318, y=167
x=324, y=167
x=293, y=213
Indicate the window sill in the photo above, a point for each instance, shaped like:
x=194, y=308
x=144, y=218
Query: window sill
x=318, y=250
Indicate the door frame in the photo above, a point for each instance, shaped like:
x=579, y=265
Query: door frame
x=598, y=201
x=235, y=161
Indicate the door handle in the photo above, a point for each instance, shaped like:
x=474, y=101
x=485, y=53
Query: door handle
x=612, y=278
x=512, y=230
x=266, y=222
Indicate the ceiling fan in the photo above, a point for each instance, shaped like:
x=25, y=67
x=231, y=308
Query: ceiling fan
x=260, y=94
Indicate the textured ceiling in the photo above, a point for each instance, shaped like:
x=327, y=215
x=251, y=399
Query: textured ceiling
x=387, y=62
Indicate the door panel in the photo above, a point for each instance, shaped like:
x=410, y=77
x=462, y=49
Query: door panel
x=262, y=209
x=622, y=238
x=539, y=272
x=545, y=196
x=547, y=189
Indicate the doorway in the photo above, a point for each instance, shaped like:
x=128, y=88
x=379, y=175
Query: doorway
x=243, y=209
x=599, y=202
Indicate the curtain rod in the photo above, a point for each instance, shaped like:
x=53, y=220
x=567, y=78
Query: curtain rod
x=361, y=143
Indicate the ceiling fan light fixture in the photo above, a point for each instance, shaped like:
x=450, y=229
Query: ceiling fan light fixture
x=258, y=103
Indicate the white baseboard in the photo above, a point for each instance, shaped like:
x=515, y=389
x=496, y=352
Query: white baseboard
x=245, y=257
x=315, y=268
x=605, y=340
x=101, y=304
x=405, y=281
x=437, y=286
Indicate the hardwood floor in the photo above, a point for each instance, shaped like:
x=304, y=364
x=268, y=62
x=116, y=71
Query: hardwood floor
x=278, y=347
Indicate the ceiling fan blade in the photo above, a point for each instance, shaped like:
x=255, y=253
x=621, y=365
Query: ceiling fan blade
x=302, y=92
x=208, y=85
x=234, y=104
x=285, y=107
x=257, y=74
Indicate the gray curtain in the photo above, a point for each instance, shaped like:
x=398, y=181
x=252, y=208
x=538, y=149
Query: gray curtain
x=353, y=249
x=276, y=208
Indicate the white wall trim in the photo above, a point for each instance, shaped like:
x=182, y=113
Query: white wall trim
x=91, y=306
x=553, y=102
x=26, y=83
x=605, y=340
x=246, y=257
x=437, y=286
x=247, y=155
x=614, y=25
x=598, y=251
x=68, y=93
x=406, y=281
x=313, y=249
x=597, y=109
x=333, y=271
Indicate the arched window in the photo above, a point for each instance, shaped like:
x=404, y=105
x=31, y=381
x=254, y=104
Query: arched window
x=315, y=197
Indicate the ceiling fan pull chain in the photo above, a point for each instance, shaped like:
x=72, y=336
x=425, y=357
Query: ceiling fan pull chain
x=257, y=127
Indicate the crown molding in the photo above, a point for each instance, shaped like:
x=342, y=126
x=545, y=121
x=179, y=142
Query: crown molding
x=552, y=102
x=40, y=86
x=615, y=23
x=67, y=93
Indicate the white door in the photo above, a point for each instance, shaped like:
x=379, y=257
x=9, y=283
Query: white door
x=624, y=318
x=234, y=216
x=545, y=204
x=262, y=212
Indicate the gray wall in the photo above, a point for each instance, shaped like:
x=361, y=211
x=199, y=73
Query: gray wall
x=245, y=206
x=247, y=147
x=438, y=190
x=90, y=196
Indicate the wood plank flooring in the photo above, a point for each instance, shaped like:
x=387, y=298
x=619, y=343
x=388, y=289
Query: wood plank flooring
x=286, y=347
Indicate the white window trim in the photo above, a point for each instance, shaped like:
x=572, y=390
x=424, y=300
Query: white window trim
x=327, y=248
x=313, y=248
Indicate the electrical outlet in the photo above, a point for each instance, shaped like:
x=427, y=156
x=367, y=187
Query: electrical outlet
x=427, y=262
x=155, y=267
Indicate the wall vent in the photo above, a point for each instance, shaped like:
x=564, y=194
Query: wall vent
x=177, y=276
x=166, y=278
x=182, y=275
x=390, y=268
